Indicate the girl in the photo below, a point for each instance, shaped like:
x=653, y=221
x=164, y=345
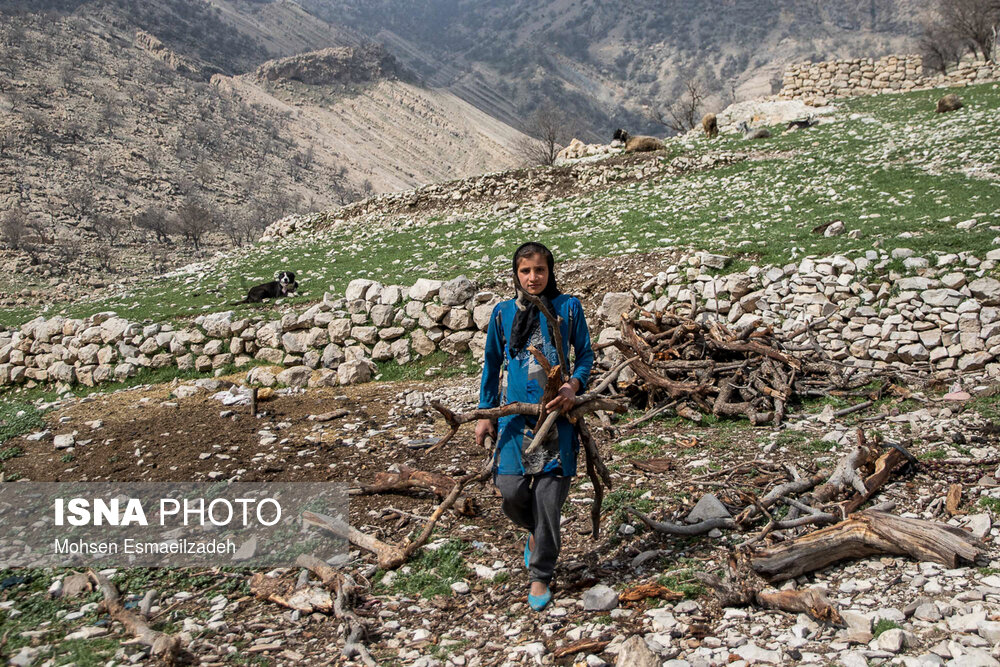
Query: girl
x=533, y=486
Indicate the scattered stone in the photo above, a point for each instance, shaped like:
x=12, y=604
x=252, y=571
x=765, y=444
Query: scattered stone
x=600, y=598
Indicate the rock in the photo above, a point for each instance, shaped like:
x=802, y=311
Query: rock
x=990, y=631
x=457, y=343
x=713, y=261
x=367, y=335
x=927, y=612
x=262, y=376
x=25, y=657
x=62, y=372
x=600, y=598
x=836, y=228
x=892, y=640
x=954, y=280
x=218, y=325
x=973, y=657
x=457, y=291
x=295, y=343
x=708, y=507
x=457, y=319
x=987, y=290
x=64, y=440
x=635, y=653
x=422, y=345
x=753, y=654
x=339, y=329
x=296, y=376
x=382, y=315
x=614, y=305
x=481, y=314
x=185, y=391
x=424, y=289
x=979, y=524
x=357, y=289
x=460, y=587
x=353, y=372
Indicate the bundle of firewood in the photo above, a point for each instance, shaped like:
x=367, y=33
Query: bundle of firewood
x=700, y=367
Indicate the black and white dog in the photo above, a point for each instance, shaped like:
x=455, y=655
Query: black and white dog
x=283, y=284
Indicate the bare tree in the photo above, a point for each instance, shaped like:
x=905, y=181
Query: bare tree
x=204, y=172
x=14, y=226
x=109, y=228
x=547, y=132
x=194, y=220
x=67, y=76
x=962, y=25
x=110, y=115
x=155, y=220
x=7, y=141
x=41, y=229
x=685, y=113
x=82, y=200
x=104, y=255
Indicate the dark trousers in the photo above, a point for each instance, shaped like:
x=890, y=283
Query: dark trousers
x=533, y=502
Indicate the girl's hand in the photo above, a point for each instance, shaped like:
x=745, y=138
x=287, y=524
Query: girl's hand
x=485, y=427
x=565, y=400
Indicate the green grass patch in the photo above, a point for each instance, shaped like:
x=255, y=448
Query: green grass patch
x=992, y=504
x=10, y=453
x=437, y=364
x=433, y=572
x=647, y=446
x=933, y=454
x=18, y=418
x=37, y=610
x=988, y=407
x=884, y=624
x=684, y=582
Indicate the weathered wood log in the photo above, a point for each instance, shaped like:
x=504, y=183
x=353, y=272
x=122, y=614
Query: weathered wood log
x=597, y=472
x=885, y=466
x=412, y=479
x=586, y=645
x=953, y=500
x=390, y=556
x=699, y=528
x=163, y=647
x=845, y=474
x=343, y=587
x=810, y=601
x=455, y=420
x=866, y=534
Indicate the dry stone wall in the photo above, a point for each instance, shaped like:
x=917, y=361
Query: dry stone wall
x=816, y=82
x=334, y=342
x=941, y=315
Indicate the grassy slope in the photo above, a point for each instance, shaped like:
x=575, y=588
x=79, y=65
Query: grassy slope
x=888, y=165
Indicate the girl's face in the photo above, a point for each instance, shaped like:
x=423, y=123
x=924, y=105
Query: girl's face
x=533, y=274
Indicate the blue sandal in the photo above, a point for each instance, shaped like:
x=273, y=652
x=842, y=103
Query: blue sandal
x=527, y=553
x=539, y=602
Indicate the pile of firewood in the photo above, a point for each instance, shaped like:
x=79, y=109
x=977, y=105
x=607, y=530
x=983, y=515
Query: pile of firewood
x=781, y=523
x=697, y=367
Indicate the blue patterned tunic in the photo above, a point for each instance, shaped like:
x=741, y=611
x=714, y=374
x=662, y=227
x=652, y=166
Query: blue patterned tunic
x=525, y=382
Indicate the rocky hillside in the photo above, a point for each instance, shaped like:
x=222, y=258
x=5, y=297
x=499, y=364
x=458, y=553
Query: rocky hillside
x=126, y=143
x=615, y=63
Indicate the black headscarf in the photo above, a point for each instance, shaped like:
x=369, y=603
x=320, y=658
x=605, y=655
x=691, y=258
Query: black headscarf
x=526, y=318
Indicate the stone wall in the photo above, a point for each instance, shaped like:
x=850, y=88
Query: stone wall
x=816, y=82
x=941, y=315
x=333, y=342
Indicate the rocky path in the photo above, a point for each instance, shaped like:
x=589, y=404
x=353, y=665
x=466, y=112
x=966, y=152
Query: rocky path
x=462, y=602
